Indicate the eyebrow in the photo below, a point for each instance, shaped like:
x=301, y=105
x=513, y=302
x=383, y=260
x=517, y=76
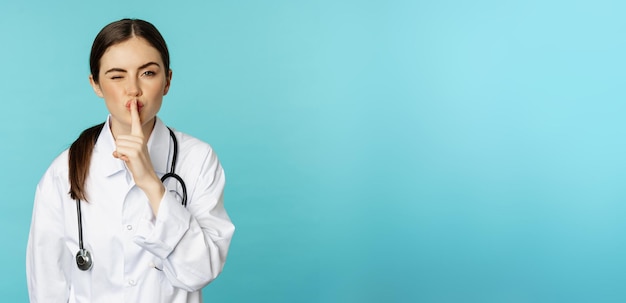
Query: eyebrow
x=117, y=69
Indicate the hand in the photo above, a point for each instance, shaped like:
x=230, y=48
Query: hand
x=133, y=149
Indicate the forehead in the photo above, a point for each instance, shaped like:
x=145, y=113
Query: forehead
x=129, y=54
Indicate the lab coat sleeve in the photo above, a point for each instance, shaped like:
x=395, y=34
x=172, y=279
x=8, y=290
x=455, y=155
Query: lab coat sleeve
x=47, y=257
x=192, y=242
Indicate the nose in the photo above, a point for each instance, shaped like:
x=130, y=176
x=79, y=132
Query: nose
x=133, y=88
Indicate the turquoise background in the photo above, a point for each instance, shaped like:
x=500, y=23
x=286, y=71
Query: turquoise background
x=375, y=151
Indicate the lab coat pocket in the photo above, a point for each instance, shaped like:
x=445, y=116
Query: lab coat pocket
x=177, y=193
x=158, y=276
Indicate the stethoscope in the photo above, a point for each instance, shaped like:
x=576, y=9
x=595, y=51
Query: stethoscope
x=83, y=256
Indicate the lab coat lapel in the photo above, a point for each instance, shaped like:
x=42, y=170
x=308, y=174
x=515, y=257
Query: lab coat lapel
x=102, y=160
x=159, y=148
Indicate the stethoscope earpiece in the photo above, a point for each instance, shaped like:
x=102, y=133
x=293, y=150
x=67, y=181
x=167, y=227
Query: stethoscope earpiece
x=83, y=259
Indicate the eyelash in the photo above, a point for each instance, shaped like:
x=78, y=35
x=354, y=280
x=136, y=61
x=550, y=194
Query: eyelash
x=148, y=73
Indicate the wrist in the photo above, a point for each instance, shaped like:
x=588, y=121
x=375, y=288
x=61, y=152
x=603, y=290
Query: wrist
x=154, y=191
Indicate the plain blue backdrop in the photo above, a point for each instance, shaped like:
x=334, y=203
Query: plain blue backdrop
x=375, y=151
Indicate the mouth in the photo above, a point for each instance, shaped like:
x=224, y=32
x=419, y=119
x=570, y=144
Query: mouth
x=139, y=105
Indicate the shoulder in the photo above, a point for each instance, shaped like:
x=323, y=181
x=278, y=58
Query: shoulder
x=57, y=172
x=197, y=159
x=59, y=166
x=191, y=146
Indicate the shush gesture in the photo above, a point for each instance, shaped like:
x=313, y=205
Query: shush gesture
x=133, y=150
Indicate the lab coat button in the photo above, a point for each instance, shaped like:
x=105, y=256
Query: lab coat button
x=131, y=282
x=129, y=227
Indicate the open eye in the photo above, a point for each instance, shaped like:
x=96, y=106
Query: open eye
x=148, y=73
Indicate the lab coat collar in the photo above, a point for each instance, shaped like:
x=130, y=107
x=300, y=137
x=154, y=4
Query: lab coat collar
x=158, y=147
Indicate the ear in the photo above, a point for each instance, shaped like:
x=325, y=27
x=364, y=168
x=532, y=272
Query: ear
x=168, y=81
x=95, y=86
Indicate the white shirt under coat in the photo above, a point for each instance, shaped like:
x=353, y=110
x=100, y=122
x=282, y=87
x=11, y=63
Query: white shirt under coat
x=137, y=257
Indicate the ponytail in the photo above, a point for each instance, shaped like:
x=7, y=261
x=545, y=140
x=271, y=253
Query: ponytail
x=80, y=159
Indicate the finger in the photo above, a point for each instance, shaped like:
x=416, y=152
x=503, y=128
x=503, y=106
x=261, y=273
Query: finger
x=129, y=149
x=125, y=144
x=129, y=140
x=135, y=122
x=120, y=156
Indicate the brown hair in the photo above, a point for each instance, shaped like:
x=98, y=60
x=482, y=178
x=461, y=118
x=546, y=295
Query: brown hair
x=114, y=33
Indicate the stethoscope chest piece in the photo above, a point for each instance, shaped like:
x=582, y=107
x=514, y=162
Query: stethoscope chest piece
x=83, y=259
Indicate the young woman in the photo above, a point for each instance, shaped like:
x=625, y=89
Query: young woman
x=105, y=228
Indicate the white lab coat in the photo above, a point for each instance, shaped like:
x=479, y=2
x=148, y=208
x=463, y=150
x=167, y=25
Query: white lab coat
x=137, y=257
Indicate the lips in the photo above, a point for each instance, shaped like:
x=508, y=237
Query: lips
x=139, y=105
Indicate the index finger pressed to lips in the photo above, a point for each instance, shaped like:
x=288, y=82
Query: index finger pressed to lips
x=135, y=121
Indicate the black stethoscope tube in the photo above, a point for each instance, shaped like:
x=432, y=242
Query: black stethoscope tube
x=83, y=257
x=173, y=169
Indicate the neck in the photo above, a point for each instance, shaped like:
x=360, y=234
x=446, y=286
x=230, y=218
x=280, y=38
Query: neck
x=123, y=129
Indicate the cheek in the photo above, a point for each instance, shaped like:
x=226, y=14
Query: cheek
x=155, y=92
x=108, y=90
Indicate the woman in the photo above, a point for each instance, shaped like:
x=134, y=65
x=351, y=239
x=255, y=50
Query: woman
x=104, y=227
